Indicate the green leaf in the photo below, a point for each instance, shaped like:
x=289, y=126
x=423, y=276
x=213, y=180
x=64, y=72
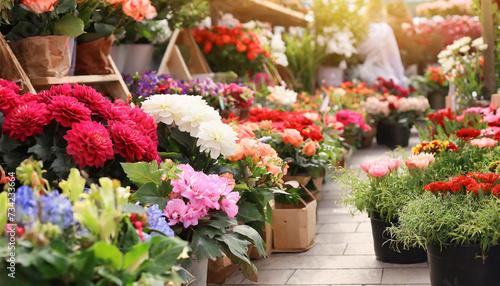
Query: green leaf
x=253, y=235
x=210, y=232
x=51, y=264
x=142, y=172
x=236, y=245
x=133, y=209
x=69, y=25
x=108, y=253
x=8, y=144
x=60, y=246
x=164, y=252
x=105, y=29
x=204, y=247
x=85, y=16
x=136, y=256
x=76, y=185
x=150, y=193
x=248, y=212
x=42, y=148
x=110, y=277
x=248, y=269
x=64, y=6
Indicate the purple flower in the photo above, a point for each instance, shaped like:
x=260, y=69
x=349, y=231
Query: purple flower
x=26, y=209
x=56, y=209
x=158, y=222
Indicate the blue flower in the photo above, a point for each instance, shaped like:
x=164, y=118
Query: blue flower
x=158, y=222
x=56, y=209
x=26, y=208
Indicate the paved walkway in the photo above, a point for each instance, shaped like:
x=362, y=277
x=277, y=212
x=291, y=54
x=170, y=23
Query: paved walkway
x=343, y=252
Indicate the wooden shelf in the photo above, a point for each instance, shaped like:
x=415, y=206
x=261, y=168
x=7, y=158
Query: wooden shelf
x=262, y=10
x=75, y=79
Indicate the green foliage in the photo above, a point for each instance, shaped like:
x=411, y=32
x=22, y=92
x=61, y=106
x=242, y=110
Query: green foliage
x=463, y=219
x=181, y=13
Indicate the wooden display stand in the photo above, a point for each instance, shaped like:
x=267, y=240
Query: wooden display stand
x=114, y=82
x=174, y=64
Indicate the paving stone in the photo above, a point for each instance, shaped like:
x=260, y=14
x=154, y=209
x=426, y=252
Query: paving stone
x=344, y=238
x=338, y=227
x=342, y=277
x=406, y=275
x=332, y=215
x=364, y=227
x=318, y=262
x=359, y=249
x=236, y=279
x=325, y=249
x=266, y=277
x=329, y=204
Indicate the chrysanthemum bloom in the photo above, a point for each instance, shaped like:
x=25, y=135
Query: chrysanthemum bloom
x=26, y=120
x=145, y=122
x=68, y=110
x=216, y=138
x=8, y=98
x=198, y=113
x=91, y=98
x=129, y=142
x=89, y=143
x=162, y=107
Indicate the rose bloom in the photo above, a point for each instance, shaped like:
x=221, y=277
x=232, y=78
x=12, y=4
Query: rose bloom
x=266, y=124
x=40, y=6
x=310, y=148
x=292, y=136
x=138, y=9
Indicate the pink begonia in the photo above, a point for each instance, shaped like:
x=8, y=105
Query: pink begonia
x=484, y=142
x=198, y=194
x=175, y=211
x=228, y=204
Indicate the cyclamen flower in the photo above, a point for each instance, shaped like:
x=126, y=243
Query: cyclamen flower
x=216, y=138
x=128, y=142
x=68, y=110
x=89, y=143
x=56, y=209
x=26, y=208
x=26, y=120
x=157, y=221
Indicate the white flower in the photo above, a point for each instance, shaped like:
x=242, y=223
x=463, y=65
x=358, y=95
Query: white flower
x=464, y=49
x=404, y=104
x=194, y=115
x=281, y=95
x=477, y=42
x=217, y=138
x=162, y=107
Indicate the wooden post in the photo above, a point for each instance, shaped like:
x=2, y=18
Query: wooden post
x=489, y=55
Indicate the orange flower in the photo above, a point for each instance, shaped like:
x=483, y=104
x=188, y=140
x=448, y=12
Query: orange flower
x=40, y=6
x=310, y=148
x=238, y=155
x=138, y=9
x=292, y=136
x=231, y=181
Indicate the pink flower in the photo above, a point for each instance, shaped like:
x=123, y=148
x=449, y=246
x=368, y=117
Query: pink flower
x=229, y=204
x=89, y=143
x=68, y=110
x=40, y=6
x=378, y=170
x=129, y=143
x=366, y=166
x=392, y=164
x=184, y=180
x=175, y=211
x=484, y=142
x=292, y=136
x=8, y=97
x=26, y=120
x=192, y=215
x=420, y=161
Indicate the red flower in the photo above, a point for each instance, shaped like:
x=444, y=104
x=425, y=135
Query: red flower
x=129, y=143
x=91, y=98
x=46, y=95
x=10, y=84
x=473, y=187
x=89, y=143
x=144, y=122
x=68, y=110
x=495, y=190
x=8, y=98
x=26, y=120
x=468, y=133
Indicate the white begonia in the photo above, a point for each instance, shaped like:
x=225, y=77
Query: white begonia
x=282, y=95
x=162, y=107
x=217, y=138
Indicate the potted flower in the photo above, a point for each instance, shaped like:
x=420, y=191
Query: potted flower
x=437, y=87
x=354, y=126
x=381, y=196
x=58, y=229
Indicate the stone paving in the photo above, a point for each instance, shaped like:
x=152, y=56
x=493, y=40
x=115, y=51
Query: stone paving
x=343, y=252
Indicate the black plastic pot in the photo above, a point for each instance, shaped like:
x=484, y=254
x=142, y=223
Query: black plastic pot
x=462, y=265
x=385, y=252
x=392, y=134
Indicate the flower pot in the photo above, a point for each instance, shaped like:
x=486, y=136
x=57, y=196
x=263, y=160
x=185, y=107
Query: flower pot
x=139, y=58
x=43, y=56
x=267, y=235
x=392, y=134
x=313, y=184
x=330, y=76
x=220, y=270
x=384, y=252
x=199, y=269
x=92, y=57
x=119, y=55
x=461, y=265
x=436, y=100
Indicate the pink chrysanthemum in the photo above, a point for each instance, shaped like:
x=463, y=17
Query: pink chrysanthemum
x=129, y=142
x=89, y=143
x=91, y=98
x=8, y=98
x=116, y=112
x=10, y=84
x=25, y=120
x=68, y=110
x=144, y=122
x=45, y=96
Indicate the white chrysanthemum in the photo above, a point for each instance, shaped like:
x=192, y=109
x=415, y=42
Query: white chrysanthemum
x=464, y=49
x=404, y=104
x=281, y=95
x=197, y=114
x=217, y=138
x=162, y=107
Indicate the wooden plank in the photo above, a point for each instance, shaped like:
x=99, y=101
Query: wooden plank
x=262, y=10
x=197, y=63
x=489, y=54
x=177, y=66
x=11, y=68
x=118, y=88
x=76, y=79
x=163, y=69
